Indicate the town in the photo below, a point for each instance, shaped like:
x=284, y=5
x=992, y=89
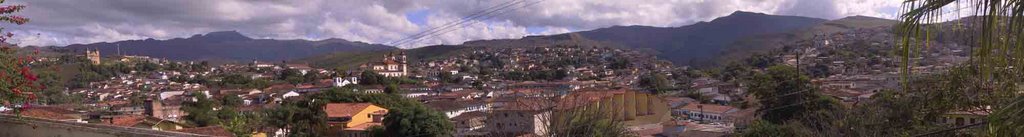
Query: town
x=522, y=68
x=475, y=91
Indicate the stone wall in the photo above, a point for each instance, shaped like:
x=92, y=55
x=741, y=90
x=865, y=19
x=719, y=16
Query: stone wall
x=13, y=126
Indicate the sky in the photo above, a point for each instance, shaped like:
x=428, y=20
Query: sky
x=65, y=22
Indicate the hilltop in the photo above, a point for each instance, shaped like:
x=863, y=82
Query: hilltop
x=682, y=45
x=228, y=46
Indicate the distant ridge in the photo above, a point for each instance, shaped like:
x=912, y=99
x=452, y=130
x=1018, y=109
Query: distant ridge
x=691, y=44
x=228, y=46
x=705, y=43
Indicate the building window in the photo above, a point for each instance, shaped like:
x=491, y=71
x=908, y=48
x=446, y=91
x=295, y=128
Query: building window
x=959, y=121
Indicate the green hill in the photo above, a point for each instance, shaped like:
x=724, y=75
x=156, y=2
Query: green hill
x=351, y=60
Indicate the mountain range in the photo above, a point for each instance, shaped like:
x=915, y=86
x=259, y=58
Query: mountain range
x=228, y=46
x=691, y=43
x=729, y=37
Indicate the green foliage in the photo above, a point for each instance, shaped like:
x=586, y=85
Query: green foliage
x=302, y=118
x=200, y=112
x=767, y=129
x=198, y=79
x=535, y=75
x=1008, y=122
x=699, y=97
x=760, y=61
x=392, y=89
x=244, y=125
x=377, y=131
x=16, y=78
x=146, y=66
x=655, y=82
x=405, y=117
x=448, y=78
x=231, y=101
x=370, y=77
x=734, y=71
x=200, y=67
x=784, y=94
x=586, y=123
x=242, y=81
x=618, y=63
x=416, y=121
x=819, y=71
x=293, y=76
x=997, y=48
x=53, y=88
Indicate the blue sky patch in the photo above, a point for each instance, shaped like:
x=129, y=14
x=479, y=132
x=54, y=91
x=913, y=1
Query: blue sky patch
x=418, y=17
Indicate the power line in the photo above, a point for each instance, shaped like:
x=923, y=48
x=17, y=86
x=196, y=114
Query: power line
x=951, y=129
x=433, y=31
x=448, y=28
x=468, y=17
x=486, y=18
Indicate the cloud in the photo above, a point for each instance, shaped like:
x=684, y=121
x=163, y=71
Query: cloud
x=64, y=22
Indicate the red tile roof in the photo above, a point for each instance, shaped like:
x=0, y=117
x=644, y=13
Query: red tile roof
x=127, y=120
x=364, y=126
x=709, y=108
x=344, y=109
x=216, y=131
x=47, y=113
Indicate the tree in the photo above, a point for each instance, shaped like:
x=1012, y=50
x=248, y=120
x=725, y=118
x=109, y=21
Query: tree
x=200, y=110
x=240, y=81
x=299, y=118
x=655, y=82
x=16, y=78
x=819, y=71
x=243, y=125
x=231, y=101
x=996, y=30
x=392, y=89
x=369, y=77
x=618, y=63
x=767, y=129
x=405, y=117
x=53, y=89
x=448, y=78
x=760, y=61
x=784, y=94
x=586, y=123
x=416, y=121
x=734, y=71
x=146, y=66
x=200, y=67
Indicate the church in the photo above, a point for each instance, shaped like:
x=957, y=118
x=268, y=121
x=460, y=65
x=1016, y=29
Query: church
x=391, y=66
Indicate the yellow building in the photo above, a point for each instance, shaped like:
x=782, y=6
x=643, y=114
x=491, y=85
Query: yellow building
x=531, y=116
x=93, y=56
x=962, y=118
x=353, y=119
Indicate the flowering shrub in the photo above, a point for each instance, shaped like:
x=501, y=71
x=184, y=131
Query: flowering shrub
x=17, y=82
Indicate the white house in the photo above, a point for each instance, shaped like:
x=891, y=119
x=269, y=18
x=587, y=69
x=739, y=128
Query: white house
x=290, y=94
x=341, y=82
